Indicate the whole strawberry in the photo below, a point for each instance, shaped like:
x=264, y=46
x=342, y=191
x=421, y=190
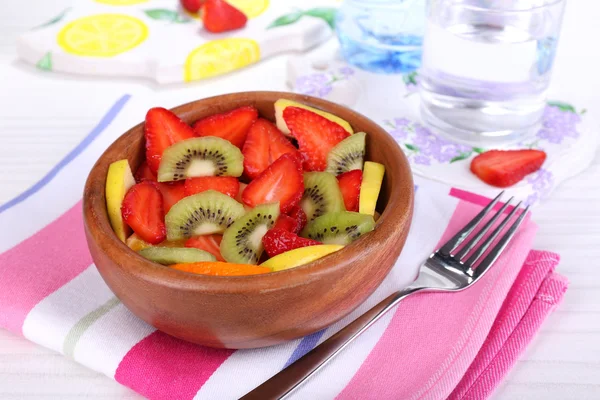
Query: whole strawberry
x=192, y=6
x=220, y=16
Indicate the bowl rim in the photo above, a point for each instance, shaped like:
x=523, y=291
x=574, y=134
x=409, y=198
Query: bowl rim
x=397, y=213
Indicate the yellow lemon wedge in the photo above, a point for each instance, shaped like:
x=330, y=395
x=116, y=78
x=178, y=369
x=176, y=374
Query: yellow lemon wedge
x=220, y=56
x=118, y=181
x=102, y=35
x=281, y=105
x=301, y=256
x=370, y=187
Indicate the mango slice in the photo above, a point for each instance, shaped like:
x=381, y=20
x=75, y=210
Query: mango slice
x=118, y=181
x=370, y=187
x=281, y=104
x=301, y=256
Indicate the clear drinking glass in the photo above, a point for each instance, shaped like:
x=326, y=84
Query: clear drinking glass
x=486, y=67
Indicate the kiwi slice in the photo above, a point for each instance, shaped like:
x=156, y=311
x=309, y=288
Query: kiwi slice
x=242, y=241
x=202, y=214
x=339, y=227
x=203, y=156
x=176, y=255
x=347, y=155
x=321, y=195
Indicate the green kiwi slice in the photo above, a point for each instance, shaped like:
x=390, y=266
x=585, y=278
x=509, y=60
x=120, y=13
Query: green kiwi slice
x=242, y=241
x=175, y=255
x=202, y=214
x=347, y=155
x=321, y=195
x=339, y=227
x=204, y=156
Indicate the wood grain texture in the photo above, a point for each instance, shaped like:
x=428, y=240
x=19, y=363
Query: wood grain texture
x=283, y=305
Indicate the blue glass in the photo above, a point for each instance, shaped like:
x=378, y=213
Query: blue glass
x=383, y=36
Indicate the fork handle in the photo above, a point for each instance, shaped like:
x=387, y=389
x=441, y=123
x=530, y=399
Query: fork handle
x=288, y=379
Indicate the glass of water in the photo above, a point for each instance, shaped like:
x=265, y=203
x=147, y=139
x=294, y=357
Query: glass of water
x=486, y=67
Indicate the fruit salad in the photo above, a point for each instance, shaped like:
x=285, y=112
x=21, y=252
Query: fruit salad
x=236, y=194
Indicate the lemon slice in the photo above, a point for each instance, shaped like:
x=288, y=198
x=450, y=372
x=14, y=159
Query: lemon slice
x=300, y=256
x=370, y=187
x=119, y=180
x=102, y=35
x=220, y=56
x=121, y=2
x=252, y=8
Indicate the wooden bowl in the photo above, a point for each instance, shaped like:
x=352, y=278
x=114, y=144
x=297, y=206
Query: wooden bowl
x=261, y=310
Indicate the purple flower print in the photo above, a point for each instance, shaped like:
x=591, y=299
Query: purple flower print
x=541, y=183
x=321, y=84
x=346, y=71
x=558, y=124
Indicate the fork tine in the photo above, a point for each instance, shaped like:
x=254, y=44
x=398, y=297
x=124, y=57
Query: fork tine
x=501, y=245
x=468, y=228
x=471, y=243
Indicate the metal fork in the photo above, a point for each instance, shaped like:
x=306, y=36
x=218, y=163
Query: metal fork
x=443, y=271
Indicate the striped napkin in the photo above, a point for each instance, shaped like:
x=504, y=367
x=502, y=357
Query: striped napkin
x=432, y=346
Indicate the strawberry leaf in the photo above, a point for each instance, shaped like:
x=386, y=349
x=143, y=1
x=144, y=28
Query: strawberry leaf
x=163, y=14
x=287, y=19
x=461, y=156
x=325, y=13
x=562, y=106
x=45, y=63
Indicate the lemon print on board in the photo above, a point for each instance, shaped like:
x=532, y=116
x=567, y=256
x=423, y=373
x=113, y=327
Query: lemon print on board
x=121, y=2
x=220, y=56
x=103, y=35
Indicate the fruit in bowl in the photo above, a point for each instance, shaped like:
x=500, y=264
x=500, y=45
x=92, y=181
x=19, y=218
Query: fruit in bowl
x=236, y=235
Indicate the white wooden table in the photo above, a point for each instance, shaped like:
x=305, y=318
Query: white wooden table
x=42, y=116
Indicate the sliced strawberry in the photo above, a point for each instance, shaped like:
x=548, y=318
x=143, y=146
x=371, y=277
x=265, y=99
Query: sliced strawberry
x=277, y=241
x=286, y=223
x=349, y=183
x=300, y=216
x=233, y=125
x=504, y=168
x=210, y=243
x=220, y=16
x=192, y=6
x=316, y=135
x=171, y=192
x=264, y=144
x=225, y=184
x=144, y=173
x=162, y=129
x=142, y=210
x=282, y=182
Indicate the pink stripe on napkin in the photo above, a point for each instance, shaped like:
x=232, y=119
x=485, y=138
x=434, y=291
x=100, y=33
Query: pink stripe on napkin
x=535, y=294
x=38, y=266
x=433, y=338
x=163, y=367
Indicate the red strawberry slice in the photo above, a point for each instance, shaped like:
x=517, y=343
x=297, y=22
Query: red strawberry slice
x=286, y=223
x=220, y=16
x=171, y=192
x=349, y=183
x=142, y=210
x=225, y=184
x=316, y=135
x=504, y=168
x=282, y=182
x=210, y=243
x=144, y=173
x=277, y=241
x=162, y=129
x=264, y=144
x=233, y=125
x=300, y=216
x=192, y=6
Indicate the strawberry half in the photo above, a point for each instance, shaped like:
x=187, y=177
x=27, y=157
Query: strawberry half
x=286, y=223
x=220, y=16
x=316, y=135
x=233, y=125
x=504, y=168
x=144, y=173
x=300, y=216
x=264, y=144
x=210, y=243
x=277, y=241
x=171, y=192
x=162, y=129
x=142, y=210
x=225, y=184
x=349, y=183
x=282, y=182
